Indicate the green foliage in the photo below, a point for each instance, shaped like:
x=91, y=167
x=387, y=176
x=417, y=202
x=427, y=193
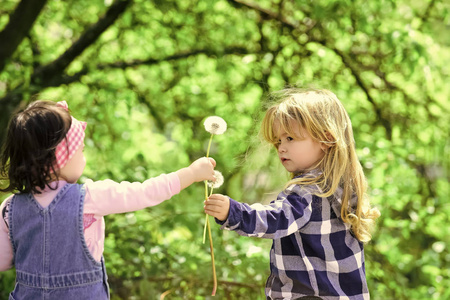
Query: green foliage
x=148, y=82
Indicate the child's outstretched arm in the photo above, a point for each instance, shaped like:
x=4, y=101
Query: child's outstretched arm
x=282, y=217
x=109, y=197
x=199, y=170
x=218, y=206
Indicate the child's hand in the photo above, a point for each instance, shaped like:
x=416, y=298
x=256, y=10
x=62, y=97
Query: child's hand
x=199, y=170
x=203, y=169
x=218, y=206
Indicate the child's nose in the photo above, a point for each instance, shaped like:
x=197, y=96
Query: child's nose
x=281, y=148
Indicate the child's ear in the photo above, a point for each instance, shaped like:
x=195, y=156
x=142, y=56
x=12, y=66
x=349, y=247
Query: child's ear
x=330, y=137
x=324, y=146
x=328, y=143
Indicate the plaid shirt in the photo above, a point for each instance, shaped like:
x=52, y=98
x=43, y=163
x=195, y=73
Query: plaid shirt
x=313, y=251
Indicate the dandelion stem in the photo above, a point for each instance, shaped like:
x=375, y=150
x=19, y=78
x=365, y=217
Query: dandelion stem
x=212, y=260
x=209, y=145
x=206, y=220
x=204, y=228
x=206, y=190
x=206, y=182
x=207, y=225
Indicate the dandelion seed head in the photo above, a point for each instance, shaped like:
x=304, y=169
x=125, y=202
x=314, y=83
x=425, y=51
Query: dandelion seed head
x=219, y=180
x=215, y=125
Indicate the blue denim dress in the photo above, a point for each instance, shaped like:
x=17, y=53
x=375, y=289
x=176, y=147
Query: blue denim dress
x=51, y=257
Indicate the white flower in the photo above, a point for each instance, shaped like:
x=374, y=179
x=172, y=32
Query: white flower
x=215, y=125
x=218, y=182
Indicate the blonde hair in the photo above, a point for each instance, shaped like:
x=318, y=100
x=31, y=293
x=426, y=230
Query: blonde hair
x=324, y=117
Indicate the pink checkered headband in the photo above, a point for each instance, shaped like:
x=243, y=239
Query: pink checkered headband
x=72, y=141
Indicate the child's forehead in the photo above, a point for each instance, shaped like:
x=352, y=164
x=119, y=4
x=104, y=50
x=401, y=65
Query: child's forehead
x=291, y=127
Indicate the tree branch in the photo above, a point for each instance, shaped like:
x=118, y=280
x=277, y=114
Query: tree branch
x=20, y=23
x=384, y=122
x=177, y=56
x=44, y=75
x=276, y=16
x=425, y=16
x=52, y=74
x=15, y=95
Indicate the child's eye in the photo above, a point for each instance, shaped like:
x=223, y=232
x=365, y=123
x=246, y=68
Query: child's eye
x=289, y=138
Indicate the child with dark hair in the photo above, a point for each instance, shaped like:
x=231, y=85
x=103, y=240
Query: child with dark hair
x=52, y=229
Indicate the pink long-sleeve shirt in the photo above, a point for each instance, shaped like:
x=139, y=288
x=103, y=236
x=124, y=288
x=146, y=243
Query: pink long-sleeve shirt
x=102, y=198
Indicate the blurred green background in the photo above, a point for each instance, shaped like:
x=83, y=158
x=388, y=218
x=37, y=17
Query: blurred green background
x=145, y=75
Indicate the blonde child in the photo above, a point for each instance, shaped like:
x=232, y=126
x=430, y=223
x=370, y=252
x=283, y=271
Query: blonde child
x=320, y=221
x=53, y=229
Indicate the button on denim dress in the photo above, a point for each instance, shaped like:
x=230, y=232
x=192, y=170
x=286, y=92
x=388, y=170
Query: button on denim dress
x=51, y=257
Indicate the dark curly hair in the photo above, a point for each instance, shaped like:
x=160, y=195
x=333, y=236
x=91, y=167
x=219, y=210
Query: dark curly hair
x=28, y=154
